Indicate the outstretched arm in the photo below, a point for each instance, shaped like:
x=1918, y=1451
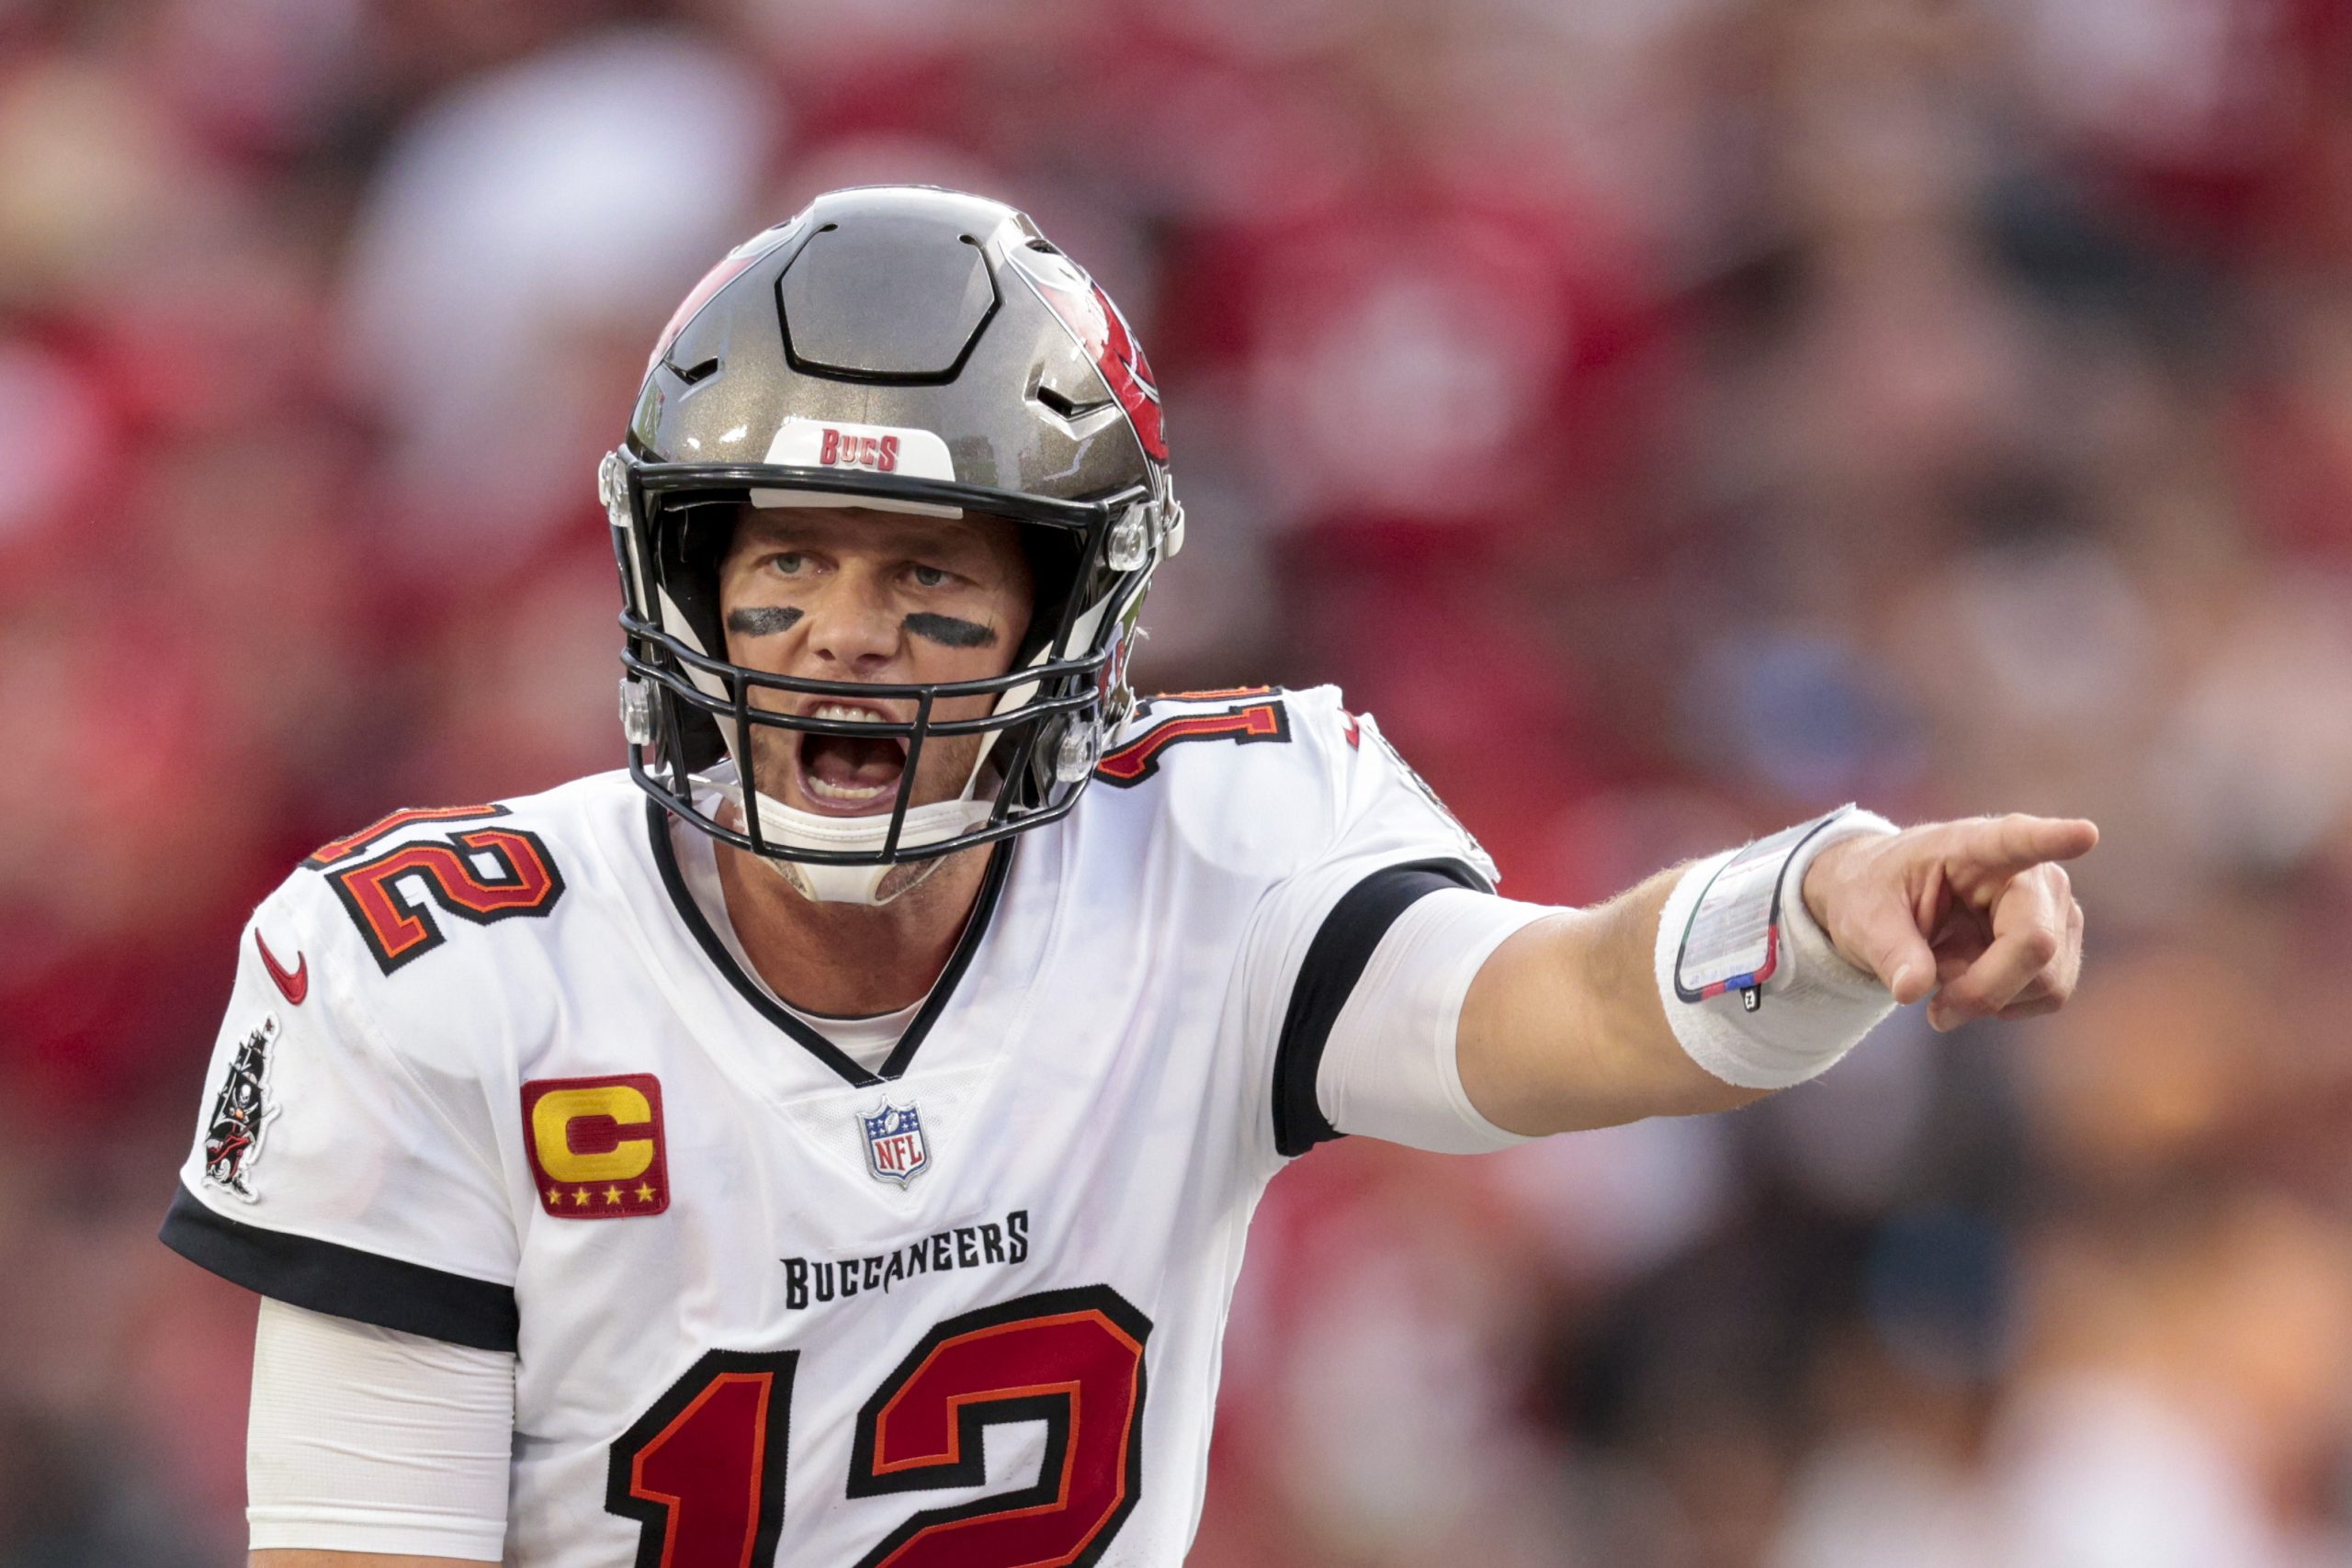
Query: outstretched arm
x=1566, y=1027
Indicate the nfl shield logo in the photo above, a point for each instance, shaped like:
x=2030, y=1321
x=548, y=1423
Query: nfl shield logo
x=895, y=1150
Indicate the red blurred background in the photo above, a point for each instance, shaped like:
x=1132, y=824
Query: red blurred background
x=1671, y=417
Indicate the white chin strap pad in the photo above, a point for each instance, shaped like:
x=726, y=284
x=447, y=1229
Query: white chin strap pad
x=794, y=828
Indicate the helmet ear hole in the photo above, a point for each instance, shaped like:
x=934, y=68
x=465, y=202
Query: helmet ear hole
x=691, y=538
x=1054, y=559
x=699, y=744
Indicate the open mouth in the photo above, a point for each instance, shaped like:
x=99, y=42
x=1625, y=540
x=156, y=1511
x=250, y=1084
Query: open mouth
x=850, y=773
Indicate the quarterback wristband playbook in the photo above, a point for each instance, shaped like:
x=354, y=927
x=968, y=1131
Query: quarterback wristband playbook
x=1754, y=988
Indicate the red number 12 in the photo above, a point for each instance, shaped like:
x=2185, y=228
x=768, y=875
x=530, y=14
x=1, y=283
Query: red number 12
x=703, y=1469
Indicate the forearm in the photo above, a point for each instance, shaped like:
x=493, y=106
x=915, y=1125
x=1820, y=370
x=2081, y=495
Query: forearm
x=1564, y=1028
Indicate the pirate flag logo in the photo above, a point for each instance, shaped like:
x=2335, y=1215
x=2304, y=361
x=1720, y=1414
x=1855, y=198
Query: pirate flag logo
x=241, y=1113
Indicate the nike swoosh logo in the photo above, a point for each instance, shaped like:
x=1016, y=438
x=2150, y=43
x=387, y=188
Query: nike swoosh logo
x=294, y=983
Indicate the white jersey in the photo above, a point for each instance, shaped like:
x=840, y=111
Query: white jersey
x=489, y=1075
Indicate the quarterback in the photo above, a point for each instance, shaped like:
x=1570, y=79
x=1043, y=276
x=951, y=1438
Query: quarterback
x=830, y=1140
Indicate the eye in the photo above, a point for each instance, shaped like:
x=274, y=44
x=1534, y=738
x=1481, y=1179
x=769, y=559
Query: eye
x=928, y=577
x=788, y=562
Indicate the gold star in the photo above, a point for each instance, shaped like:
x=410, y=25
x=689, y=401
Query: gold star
x=580, y=1197
x=555, y=1196
x=612, y=1194
x=644, y=1192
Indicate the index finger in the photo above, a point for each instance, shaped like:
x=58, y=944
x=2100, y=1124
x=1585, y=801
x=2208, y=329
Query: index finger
x=2006, y=845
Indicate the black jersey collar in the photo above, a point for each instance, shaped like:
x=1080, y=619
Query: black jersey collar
x=902, y=1056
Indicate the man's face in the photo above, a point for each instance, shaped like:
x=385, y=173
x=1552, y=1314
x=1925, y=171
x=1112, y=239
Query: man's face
x=843, y=594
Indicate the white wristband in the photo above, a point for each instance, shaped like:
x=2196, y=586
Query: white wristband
x=1820, y=1005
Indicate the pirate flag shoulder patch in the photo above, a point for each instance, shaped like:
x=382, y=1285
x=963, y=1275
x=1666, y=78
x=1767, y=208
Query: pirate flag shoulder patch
x=241, y=1112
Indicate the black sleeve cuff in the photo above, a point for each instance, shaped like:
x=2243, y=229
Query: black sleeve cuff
x=343, y=1281
x=1335, y=962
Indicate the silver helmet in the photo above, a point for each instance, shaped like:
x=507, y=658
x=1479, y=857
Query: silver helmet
x=898, y=348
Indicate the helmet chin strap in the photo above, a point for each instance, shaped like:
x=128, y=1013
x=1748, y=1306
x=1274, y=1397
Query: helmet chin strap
x=823, y=884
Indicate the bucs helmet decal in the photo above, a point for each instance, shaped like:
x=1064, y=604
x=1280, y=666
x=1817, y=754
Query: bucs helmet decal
x=1101, y=331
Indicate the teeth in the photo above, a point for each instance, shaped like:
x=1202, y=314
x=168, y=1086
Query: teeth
x=824, y=791
x=850, y=794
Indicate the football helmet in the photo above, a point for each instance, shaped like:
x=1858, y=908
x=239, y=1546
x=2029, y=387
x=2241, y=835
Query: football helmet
x=900, y=348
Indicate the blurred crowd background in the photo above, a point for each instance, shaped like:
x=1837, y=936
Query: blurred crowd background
x=1670, y=417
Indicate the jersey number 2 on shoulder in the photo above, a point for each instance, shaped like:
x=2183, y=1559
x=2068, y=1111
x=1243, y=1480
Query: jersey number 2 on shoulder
x=483, y=875
x=703, y=1471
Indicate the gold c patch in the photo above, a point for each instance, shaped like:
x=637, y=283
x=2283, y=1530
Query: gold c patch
x=596, y=1146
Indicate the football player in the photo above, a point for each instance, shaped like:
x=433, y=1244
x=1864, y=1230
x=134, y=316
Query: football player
x=832, y=1139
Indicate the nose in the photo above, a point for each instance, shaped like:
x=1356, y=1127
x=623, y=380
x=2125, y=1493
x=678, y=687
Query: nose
x=853, y=630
